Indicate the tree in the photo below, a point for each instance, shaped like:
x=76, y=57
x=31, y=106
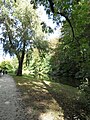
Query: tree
x=73, y=55
x=58, y=9
x=21, y=27
x=37, y=61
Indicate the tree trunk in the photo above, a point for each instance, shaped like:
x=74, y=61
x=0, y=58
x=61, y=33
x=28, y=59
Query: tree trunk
x=20, y=65
x=20, y=61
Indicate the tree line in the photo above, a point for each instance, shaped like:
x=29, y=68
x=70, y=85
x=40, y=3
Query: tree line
x=23, y=34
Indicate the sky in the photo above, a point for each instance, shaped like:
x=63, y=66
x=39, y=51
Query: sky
x=2, y=55
x=1, y=52
x=44, y=18
x=49, y=22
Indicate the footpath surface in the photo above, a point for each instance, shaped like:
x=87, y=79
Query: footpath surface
x=11, y=106
x=34, y=104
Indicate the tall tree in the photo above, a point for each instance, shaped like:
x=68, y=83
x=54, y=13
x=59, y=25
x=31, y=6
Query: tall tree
x=74, y=56
x=21, y=27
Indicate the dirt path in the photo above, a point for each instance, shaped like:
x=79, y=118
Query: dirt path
x=31, y=102
x=23, y=98
x=10, y=100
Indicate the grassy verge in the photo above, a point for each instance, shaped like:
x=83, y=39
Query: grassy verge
x=43, y=96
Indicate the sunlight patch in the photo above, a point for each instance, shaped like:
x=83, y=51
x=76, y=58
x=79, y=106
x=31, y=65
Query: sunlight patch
x=7, y=102
x=51, y=115
x=47, y=82
x=25, y=84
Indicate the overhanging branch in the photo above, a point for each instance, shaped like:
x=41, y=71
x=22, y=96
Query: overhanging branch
x=62, y=14
x=68, y=20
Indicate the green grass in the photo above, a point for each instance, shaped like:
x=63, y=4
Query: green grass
x=65, y=96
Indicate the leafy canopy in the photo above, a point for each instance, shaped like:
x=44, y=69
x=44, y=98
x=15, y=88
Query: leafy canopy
x=20, y=26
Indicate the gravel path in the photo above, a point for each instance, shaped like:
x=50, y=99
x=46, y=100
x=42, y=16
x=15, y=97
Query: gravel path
x=34, y=102
x=11, y=106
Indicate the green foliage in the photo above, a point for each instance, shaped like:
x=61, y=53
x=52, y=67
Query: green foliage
x=21, y=29
x=6, y=65
x=38, y=62
x=14, y=63
x=71, y=57
x=20, y=25
x=46, y=28
x=84, y=95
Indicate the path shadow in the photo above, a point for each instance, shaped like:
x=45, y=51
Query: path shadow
x=36, y=98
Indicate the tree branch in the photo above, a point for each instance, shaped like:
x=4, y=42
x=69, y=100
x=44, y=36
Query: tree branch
x=10, y=36
x=9, y=32
x=68, y=20
x=62, y=14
